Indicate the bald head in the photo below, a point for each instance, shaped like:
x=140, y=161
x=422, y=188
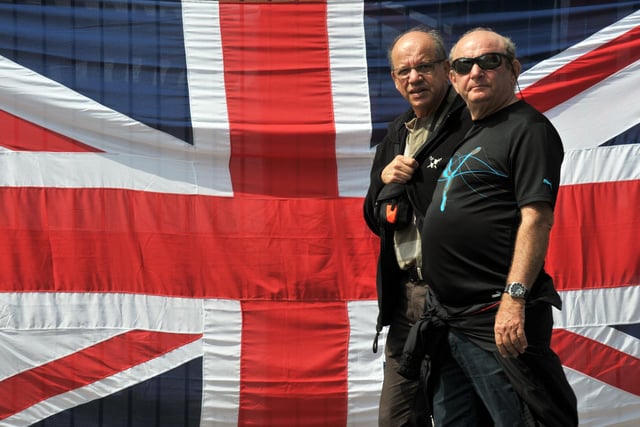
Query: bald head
x=418, y=34
x=503, y=43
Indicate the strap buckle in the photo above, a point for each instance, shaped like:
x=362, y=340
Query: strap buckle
x=415, y=274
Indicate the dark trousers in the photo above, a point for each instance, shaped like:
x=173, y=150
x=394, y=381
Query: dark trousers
x=468, y=371
x=402, y=401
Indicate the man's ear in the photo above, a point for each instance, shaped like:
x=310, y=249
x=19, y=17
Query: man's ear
x=447, y=66
x=395, y=82
x=516, y=67
x=453, y=79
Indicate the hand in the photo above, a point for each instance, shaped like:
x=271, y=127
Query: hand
x=399, y=170
x=509, y=327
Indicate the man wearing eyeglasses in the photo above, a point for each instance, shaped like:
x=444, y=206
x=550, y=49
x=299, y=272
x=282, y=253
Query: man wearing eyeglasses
x=409, y=160
x=486, y=234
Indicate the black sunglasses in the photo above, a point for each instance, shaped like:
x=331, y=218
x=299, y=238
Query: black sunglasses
x=488, y=61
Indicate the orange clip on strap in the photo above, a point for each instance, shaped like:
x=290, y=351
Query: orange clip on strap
x=391, y=213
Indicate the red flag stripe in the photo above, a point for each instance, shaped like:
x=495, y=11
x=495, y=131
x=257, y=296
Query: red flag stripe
x=199, y=246
x=584, y=72
x=20, y=135
x=305, y=381
x=280, y=104
x=110, y=240
x=594, y=359
x=594, y=234
x=85, y=367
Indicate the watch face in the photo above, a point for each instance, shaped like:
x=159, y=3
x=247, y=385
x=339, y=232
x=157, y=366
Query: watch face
x=517, y=290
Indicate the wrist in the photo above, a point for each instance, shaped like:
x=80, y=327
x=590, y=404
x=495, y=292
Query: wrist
x=509, y=301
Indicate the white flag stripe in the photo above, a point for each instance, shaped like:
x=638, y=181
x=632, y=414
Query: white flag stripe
x=569, y=117
x=221, y=365
x=365, y=366
x=602, y=164
x=108, y=170
x=601, y=405
x=597, y=307
x=607, y=34
x=350, y=89
x=49, y=104
x=22, y=349
x=47, y=310
x=208, y=105
x=105, y=387
x=583, y=123
x=611, y=337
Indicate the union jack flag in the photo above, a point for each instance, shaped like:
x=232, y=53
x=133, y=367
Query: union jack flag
x=181, y=190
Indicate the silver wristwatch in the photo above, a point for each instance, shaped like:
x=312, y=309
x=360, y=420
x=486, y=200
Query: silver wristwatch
x=517, y=290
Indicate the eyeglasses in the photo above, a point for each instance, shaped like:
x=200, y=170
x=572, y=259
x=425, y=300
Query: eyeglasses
x=425, y=68
x=488, y=61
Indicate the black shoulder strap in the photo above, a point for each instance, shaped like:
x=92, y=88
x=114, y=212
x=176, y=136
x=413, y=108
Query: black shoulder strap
x=396, y=147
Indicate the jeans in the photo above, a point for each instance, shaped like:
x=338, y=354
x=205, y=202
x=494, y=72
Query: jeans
x=473, y=371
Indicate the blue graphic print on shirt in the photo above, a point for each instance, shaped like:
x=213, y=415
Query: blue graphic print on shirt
x=458, y=168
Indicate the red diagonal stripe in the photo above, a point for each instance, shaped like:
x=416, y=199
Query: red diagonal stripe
x=304, y=382
x=594, y=237
x=585, y=71
x=20, y=135
x=110, y=240
x=592, y=358
x=85, y=367
x=279, y=98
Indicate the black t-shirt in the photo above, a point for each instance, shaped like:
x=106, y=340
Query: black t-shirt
x=506, y=161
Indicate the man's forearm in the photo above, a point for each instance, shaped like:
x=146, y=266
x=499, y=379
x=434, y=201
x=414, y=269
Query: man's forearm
x=532, y=241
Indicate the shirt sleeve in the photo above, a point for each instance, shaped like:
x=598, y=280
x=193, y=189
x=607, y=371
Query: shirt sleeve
x=536, y=162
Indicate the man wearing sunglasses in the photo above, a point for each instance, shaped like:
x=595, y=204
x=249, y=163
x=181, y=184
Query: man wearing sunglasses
x=410, y=158
x=486, y=234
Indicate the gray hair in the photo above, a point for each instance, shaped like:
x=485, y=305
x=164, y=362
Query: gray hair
x=435, y=37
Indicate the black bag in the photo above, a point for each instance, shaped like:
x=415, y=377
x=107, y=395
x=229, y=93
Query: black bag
x=393, y=207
